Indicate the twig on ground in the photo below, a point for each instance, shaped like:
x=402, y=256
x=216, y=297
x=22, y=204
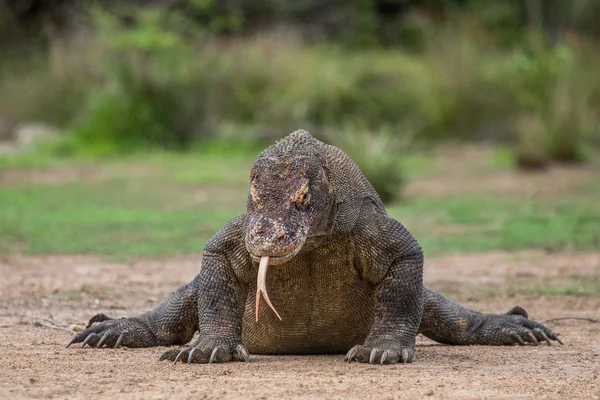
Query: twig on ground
x=591, y=320
x=44, y=323
x=49, y=324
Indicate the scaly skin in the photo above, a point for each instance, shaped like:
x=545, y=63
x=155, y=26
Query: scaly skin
x=344, y=277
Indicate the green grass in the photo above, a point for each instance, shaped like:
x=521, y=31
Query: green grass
x=467, y=223
x=168, y=204
x=151, y=204
x=119, y=218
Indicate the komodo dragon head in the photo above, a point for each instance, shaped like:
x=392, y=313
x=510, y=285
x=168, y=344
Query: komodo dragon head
x=289, y=200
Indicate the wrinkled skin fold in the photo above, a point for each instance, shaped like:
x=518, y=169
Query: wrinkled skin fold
x=315, y=242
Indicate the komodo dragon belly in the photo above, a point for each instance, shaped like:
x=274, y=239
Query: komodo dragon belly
x=325, y=307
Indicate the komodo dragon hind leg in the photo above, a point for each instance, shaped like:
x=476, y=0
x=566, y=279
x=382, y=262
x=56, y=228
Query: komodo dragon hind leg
x=447, y=322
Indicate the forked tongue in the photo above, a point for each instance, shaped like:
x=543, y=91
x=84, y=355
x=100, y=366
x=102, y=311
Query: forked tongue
x=261, y=285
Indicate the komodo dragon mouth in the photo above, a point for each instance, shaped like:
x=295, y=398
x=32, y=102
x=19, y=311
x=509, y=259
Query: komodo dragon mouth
x=261, y=286
x=261, y=281
x=264, y=261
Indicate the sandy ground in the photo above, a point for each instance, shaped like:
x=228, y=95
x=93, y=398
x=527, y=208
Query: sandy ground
x=40, y=297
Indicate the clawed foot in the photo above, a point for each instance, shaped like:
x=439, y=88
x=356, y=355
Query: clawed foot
x=527, y=331
x=109, y=332
x=207, y=354
x=514, y=328
x=379, y=355
x=108, y=339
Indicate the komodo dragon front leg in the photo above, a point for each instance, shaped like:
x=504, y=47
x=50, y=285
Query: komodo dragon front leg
x=175, y=321
x=212, y=304
x=220, y=309
x=390, y=258
x=223, y=287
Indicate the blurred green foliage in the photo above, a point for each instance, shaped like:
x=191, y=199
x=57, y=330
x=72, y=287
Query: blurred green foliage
x=380, y=155
x=517, y=71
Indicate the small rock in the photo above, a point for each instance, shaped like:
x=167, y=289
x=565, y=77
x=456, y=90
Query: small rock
x=429, y=392
x=76, y=328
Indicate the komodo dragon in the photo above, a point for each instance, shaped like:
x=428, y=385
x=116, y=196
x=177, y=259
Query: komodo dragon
x=345, y=277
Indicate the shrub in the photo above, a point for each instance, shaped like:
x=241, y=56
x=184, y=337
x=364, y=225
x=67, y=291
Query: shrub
x=552, y=103
x=379, y=155
x=152, y=91
x=49, y=89
x=529, y=150
x=152, y=80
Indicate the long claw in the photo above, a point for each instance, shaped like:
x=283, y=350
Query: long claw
x=533, y=338
x=518, y=338
x=178, y=356
x=167, y=355
x=87, y=339
x=73, y=339
x=351, y=354
x=373, y=355
x=261, y=286
x=213, y=355
x=189, y=360
x=102, y=340
x=543, y=334
x=384, y=357
x=120, y=339
x=241, y=350
x=558, y=340
x=404, y=356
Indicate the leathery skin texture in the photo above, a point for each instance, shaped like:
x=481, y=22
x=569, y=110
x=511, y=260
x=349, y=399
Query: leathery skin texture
x=342, y=275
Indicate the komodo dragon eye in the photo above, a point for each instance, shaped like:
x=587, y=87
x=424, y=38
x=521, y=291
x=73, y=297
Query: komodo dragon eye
x=301, y=198
x=304, y=202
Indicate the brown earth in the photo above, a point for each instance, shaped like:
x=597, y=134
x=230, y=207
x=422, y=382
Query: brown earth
x=40, y=297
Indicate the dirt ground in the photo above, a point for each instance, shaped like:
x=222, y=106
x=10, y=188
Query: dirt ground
x=41, y=297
